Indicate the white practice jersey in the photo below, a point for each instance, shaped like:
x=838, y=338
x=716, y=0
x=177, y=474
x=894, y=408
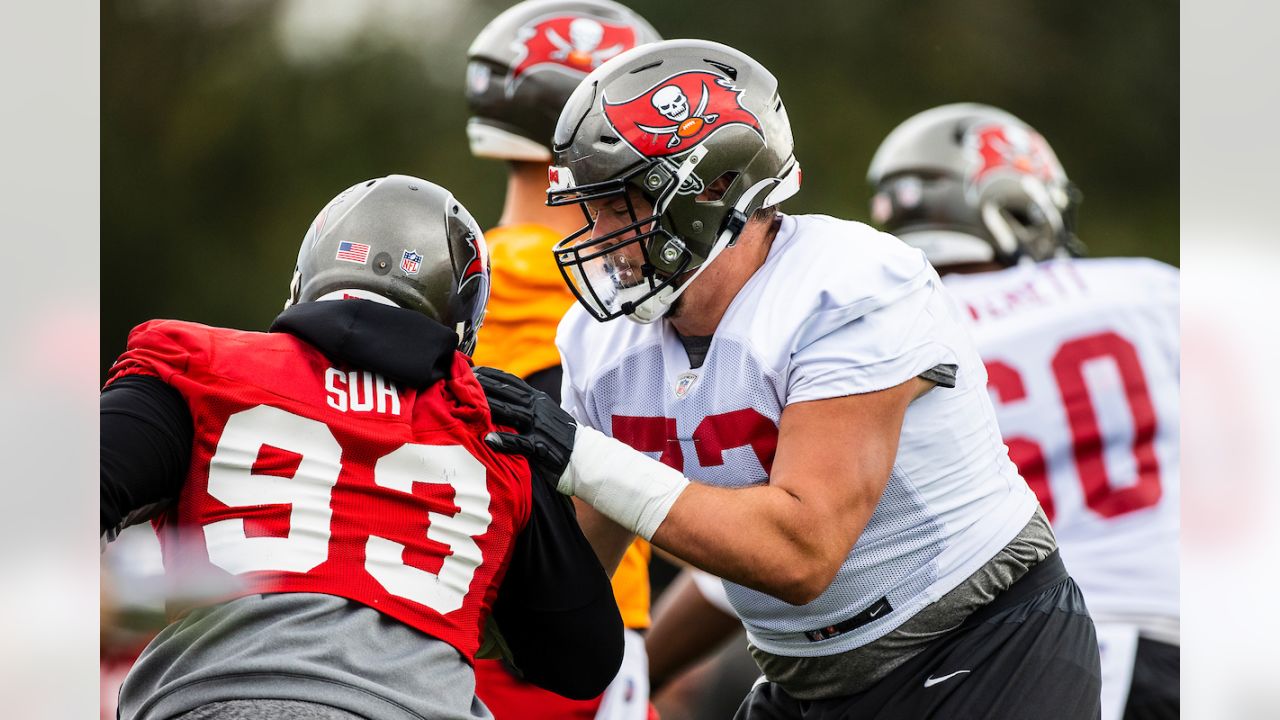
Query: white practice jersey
x=1083, y=364
x=837, y=309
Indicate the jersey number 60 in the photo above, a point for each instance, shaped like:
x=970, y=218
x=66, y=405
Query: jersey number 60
x=1087, y=440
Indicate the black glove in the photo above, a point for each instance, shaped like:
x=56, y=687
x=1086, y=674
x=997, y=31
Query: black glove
x=546, y=431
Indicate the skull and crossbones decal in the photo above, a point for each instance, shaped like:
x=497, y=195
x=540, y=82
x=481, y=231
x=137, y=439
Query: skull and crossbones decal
x=999, y=147
x=671, y=101
x=566, y=42
x=679, y=112
x=582, y=49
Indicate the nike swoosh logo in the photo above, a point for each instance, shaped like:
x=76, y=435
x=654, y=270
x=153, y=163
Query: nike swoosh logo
x=931, y=680
x=875, y=613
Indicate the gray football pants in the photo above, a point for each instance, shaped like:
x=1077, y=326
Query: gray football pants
x=267, y=710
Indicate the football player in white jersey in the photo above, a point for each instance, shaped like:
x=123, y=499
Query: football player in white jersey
x=816, y=383
x=1082, y=359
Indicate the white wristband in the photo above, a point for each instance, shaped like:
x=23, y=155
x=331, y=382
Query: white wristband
x=625, y=485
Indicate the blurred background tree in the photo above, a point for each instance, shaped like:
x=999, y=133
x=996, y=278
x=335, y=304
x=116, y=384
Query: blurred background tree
x=227, y=124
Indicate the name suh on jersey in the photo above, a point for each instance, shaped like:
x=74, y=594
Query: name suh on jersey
x=345, y=484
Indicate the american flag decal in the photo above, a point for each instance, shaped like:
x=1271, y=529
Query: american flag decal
x=353, y=252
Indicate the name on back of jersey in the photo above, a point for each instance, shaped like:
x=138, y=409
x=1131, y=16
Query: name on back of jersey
x=361, y=391
x=1046, y=284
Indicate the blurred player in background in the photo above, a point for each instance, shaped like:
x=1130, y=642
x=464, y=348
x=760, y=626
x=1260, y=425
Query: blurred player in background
x=330, y=481
x=816, y=382
x=699, y=662
x=521, y=69
x=1083, y=364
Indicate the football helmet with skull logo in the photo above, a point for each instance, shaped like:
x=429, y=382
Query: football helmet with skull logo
x=526, y=62
x=970, y=183
x=688, y=139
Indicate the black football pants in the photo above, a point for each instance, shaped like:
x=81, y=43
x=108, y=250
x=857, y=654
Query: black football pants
x=1153, y=692
x=1031, y=653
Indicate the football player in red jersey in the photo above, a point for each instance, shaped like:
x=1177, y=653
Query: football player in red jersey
x=330, y=478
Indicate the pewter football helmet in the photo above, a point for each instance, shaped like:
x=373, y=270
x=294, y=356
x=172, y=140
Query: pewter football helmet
x=526, y=62
x=697, y=130
x=970, y=183
x=398, y=240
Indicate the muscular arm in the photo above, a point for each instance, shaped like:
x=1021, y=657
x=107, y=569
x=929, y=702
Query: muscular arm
x=788, y=538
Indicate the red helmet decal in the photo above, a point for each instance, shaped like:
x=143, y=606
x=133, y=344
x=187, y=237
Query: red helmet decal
x=575, y=42
x=679, y=113
x=995, y=148
x=477, y=265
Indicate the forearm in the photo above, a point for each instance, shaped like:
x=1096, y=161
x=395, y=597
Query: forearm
x=787, y=538
x=761, y=537
x=767, y=537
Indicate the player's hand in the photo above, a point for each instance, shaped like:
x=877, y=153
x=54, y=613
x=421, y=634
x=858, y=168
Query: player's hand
x=626, y=486
x=545, y=431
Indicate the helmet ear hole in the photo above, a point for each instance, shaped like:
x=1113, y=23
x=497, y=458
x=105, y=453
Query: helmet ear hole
x=716, y=189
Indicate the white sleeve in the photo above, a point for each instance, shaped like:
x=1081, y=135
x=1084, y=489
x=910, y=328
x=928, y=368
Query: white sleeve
x=570, y=399
x=877, y=350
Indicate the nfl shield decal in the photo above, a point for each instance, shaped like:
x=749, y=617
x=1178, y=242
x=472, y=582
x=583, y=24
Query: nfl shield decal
x=410, y=262
x=677, y=114
x=683, y=383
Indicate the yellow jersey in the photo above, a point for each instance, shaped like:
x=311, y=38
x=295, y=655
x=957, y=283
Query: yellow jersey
x=527, y=298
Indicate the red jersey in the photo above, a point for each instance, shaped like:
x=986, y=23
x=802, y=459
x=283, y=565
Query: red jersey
x=315, y=477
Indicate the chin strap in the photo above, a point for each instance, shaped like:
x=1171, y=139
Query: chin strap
x=779, y=190
x=658, y=305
